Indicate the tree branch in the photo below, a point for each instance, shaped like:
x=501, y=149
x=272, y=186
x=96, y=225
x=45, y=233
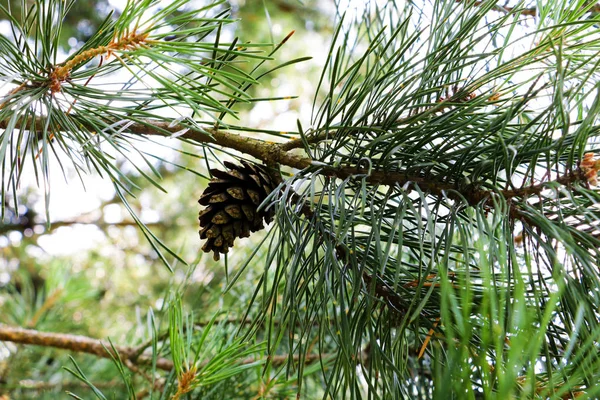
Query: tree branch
x=564, y=180
x=77, y=343
x=270, y=153
x=276, y=153
x=45, y=386
x=5, y=228
x=280, y=153
x=84, y=344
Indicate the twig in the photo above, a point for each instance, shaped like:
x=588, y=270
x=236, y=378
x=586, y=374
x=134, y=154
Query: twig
x=299, y=143
x=391, y=298
x=11, y=93
x=130, y=41
x=331, y=132
x=428, y=337
x=564, y=180
x=274, y=153
x=61, y=72
x=530, y=12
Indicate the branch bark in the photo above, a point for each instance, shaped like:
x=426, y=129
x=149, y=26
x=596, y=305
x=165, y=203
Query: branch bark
x=77, y=343
x=281, y=153
x=29, y=384
x=84, y=344
x=5, y=228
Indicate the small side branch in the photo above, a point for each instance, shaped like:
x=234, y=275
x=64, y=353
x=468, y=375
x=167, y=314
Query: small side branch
x=563, y=180
x=526, y=12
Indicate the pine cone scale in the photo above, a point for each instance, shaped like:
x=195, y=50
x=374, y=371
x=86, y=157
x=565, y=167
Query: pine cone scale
x=254, y=196
x=220, y=218
x=219, y=198
x=234, y=211
x=236, y=192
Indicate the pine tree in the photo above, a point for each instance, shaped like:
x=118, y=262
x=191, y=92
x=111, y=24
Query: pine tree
x=435, y=221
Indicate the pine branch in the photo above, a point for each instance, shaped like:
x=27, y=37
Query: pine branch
x=331, y=133
x=577, y=175
x=276, y=153
x=77, y=343
x=84, y=344
x=5, y=228
x=281, y=153
x=42, y=386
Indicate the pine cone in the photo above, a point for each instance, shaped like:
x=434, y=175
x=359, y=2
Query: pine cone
x=232, y=198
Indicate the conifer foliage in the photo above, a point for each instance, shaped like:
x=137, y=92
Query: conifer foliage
x=433, y=227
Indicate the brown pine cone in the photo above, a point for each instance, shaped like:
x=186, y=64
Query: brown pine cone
x=232, y=199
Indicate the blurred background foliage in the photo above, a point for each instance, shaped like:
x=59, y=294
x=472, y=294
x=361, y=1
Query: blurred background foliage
x=80, y=24
x=104, y=285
